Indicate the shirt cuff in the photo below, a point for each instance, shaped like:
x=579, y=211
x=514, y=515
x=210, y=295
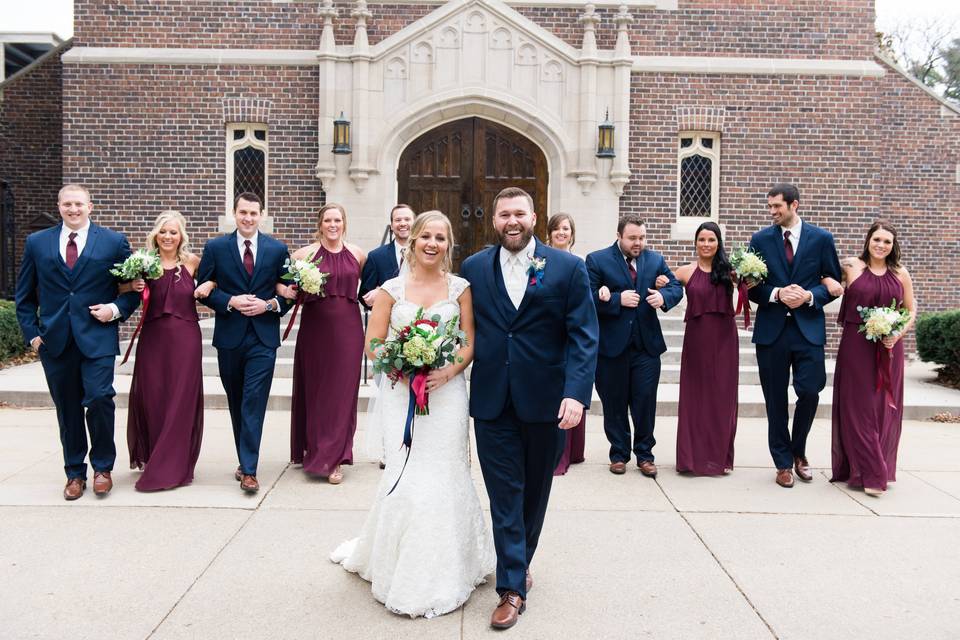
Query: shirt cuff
x=773, y=294
x=116, y=311
x=810, y=303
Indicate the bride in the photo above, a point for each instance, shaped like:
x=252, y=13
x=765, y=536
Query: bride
x=425, y=546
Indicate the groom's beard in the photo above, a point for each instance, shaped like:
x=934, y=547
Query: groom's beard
x=515, y=243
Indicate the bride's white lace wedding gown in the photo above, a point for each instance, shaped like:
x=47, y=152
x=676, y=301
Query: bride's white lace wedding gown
x=425, y=547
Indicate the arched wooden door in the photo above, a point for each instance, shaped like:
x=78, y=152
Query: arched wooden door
x=460, y=166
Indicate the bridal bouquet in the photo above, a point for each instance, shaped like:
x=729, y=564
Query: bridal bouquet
x=139, y=264
x=415, y=349
x=306, y=275
x=880, y=322
x=748, y=265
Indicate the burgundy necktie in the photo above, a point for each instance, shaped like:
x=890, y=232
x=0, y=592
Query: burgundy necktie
x=71, y=250
x=248, y=258
x=788, y=246
x=633, y=271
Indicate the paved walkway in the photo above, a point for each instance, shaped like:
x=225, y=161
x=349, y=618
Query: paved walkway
x=620, y=556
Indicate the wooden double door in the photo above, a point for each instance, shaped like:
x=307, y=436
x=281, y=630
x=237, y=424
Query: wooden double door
x=459, y=167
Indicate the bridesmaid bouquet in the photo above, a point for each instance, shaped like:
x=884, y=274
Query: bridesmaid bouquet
x=306, y=275
x=139, y=264
x=748, y=265
x=415, y=349
x=880, y=322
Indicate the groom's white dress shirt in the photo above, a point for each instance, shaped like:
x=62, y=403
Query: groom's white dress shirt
x=514, y=267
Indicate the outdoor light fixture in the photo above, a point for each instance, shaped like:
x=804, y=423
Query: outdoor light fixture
x=605, y=138
x=341, y=135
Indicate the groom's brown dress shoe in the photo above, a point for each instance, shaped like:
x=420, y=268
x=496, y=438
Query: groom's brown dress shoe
x=785, y=478
x=618, y=468
x=102, y=483
x=647, y=468
x=74, y=488
x=508, y=610
x=249, y=484
x=802, y=467
x=529, y=581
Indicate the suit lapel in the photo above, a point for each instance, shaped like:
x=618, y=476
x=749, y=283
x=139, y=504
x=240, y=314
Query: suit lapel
x=779, y=250
x=235, y=252
x=641, y=265
x=263, y=243
x=618, y=256
x=499, y=290
x=54, y=248
x=392, y=260
x=802, y=242
x=93, y=234
x=532, y=290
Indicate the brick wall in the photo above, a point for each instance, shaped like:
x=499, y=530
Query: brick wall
x=30, y=141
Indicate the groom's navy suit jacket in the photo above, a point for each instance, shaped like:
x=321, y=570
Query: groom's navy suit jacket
x=540, y=353
x=619, y=326
x=53, y=302
x=221, y=262
x=815, y=257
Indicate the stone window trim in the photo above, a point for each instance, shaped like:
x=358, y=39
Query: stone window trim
x=702, y=144
x=239, y=136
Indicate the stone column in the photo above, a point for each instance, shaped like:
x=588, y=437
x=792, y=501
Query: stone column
x=360, y=163
x=326, y=169
x=623, y=63
x=586, y=171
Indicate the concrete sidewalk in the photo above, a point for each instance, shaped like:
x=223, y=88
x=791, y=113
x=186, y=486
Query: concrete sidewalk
x=620, y=556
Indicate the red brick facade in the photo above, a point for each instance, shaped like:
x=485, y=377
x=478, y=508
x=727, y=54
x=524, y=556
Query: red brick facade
x=148, y=137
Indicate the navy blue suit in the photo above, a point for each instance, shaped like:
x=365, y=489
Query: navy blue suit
x=786, y=338
x=78, y=351
x=246, y=345
x=526, y=360
x=381, y=265
x=631, y=342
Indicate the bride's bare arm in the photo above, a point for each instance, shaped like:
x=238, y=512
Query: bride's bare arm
x=439, y=377
x=379, y=321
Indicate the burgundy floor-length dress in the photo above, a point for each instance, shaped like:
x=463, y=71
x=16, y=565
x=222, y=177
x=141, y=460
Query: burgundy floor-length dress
x=709, y=375
x=326, y=369
x=866, y=428
x=165, y=418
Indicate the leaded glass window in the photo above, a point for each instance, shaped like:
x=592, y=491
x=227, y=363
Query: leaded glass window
x=698, y=174
x=247, y=156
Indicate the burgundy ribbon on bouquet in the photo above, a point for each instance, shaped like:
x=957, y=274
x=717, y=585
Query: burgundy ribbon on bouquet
x=418, y=405
x=885, y=374
x=293, y=316
x=145, y=298
x=743, y=303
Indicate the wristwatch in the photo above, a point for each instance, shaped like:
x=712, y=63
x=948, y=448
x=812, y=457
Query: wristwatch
x=270, y=306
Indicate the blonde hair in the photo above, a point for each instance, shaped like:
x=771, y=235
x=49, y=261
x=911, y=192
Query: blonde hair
x=422, y=220
x=182, y=250
x=73, y=187
x=323, y=210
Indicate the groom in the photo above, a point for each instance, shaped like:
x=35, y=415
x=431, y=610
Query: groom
x=535, y=356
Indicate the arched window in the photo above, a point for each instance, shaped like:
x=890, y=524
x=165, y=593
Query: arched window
x=698, y=173
x=247, y=155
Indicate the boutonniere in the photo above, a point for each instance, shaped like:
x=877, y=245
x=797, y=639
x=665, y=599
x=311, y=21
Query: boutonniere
x=535, y=270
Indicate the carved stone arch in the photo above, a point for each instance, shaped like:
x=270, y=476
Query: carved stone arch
x=553, y=72
x=527, y=54
x=449, y=38
x=476, y=22
x=395, y=69
x=422, y=53
x=501, y=38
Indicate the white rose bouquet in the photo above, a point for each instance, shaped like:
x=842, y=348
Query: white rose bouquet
x=139, y=264
x=880, y=322
x=306, y=275
x=749, y=266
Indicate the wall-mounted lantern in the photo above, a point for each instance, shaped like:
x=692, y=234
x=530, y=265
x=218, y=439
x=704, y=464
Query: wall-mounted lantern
x=341, y=135
x=605, y=138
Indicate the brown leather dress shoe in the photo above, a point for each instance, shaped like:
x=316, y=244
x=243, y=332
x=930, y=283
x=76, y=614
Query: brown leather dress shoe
x=647, y=468
x=529, y=581
x=510, y=607
x=74, y=488
x=249, y=484
x=802, y=468
x=618, y=468
x=785, y=478
x=102, y=483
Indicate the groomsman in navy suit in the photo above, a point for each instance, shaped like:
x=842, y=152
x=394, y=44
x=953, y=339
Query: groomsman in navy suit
x=246, y=265
x=68, y=310
x=384, y=262
x=535, y=354
x=790, y=331
x=624, y=281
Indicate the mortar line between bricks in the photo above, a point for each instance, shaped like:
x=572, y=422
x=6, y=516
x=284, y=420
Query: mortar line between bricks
x=219, y=552
x=730, y=577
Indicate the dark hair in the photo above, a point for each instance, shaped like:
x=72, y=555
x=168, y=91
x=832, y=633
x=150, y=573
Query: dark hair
x=249, y=197
x=893, y=258
x=512, y=192
x=555, y=221
x=721, y=267
x=400, y=205
x=789, y=192
x=629, y=218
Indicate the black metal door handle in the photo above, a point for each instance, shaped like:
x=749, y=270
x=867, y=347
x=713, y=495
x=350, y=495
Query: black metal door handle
x=465, y=212
x=478, y=213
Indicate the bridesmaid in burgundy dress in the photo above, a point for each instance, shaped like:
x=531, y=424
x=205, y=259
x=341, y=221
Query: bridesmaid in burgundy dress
x=867, y=411
x=709, y=365
x=562, y=234
x=165, y=416
x=329, y=354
